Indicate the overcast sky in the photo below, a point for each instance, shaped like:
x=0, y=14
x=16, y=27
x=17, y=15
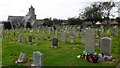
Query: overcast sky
x=60, y=9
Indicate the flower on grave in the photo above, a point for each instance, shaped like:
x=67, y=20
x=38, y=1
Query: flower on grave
x=90, y=57
x=78, y=56
x=18, y=61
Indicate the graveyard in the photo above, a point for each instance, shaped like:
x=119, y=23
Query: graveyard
x=65, y=54
x=89, y=37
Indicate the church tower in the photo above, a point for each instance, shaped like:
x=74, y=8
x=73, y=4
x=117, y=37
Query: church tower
x=32, y=13
x=30, y=16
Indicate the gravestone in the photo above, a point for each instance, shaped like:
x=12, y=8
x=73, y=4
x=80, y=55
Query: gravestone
x=108, y=31
x=19, y=39
x=22, y=58
x=43, y=35
x=20, y=30
x=113, y=31
x=54, y=43
x=102, y=34
x=49, y=33
x=56, y=34
x=105, y=46
x=77, y=34
x=90, y=40
x=37, y=37
x=63, y=37
x=48, y=37
x=24, y=39
x=30, y=39
x=55, y=40
x=97, y=42
x=83, y=36
x=72, y=39
x=99, y=33
x=37, y=59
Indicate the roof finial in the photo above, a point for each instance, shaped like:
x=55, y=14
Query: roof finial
x=31, y=6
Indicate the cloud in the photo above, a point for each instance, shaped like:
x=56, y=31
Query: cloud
x=44, y=8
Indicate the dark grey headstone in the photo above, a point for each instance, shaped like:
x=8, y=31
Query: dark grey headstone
x=54, y=43
x=30, y=39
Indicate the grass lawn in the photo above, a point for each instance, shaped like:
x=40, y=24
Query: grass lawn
x=65, y=55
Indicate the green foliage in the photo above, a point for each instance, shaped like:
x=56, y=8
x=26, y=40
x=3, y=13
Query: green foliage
x=74, y=21
x=48, y=22
x=28, y=25
x=118, y=20
x=7, y=25
x=97, y=11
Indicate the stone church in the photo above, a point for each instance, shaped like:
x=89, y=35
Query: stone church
x=22, y=21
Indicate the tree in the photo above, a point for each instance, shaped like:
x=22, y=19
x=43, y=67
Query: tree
x=118, y=20
x=7, y=25
x=106, y=8
x=97, y=11
x=48, y=22
x=74, y=21
x=92, y=13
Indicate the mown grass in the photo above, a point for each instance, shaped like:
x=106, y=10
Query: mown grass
x=65, y=55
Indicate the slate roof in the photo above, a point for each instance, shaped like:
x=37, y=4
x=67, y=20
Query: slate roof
x=15, y=20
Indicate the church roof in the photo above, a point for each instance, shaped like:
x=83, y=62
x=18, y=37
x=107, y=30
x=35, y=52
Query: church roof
x=15, y=18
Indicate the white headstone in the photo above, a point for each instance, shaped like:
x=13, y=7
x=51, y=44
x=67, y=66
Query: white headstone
x=105, y=46
x=90, y=40
x=63, y=37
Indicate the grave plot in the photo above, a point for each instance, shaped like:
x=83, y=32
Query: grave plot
x=65, y=53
